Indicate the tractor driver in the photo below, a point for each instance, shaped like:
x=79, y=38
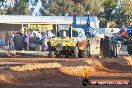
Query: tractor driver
x=123, y=31
x=121, y=34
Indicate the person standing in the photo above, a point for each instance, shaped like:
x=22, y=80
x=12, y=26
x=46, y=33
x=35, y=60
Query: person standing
x=44, y=36
x=11, y=42
x=26, y=42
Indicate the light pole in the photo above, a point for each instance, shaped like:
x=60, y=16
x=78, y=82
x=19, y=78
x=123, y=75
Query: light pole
x=88, y=24
x=88, y=20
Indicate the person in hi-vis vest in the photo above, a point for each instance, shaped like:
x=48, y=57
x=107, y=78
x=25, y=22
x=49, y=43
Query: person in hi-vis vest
x=123, y=31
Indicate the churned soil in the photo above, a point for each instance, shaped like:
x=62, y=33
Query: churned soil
x=62, y=72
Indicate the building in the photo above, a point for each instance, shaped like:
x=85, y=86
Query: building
x=11, y=24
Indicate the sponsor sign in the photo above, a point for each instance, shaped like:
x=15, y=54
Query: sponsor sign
x=40, y=26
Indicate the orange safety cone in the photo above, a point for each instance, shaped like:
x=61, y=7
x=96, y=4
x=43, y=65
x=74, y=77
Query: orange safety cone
x=8, y=49
x=84, y=73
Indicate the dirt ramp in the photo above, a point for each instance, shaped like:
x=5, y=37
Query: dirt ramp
x=111, y=65
x=117, y=66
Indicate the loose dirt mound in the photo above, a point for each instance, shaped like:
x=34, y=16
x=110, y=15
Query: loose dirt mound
x=77, y=71
x=33, y=66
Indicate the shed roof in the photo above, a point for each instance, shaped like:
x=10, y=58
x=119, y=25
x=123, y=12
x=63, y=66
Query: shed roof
x=20, y=19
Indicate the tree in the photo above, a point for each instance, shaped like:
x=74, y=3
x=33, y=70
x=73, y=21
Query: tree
x=127, y=11
x=19, y=9
x=93, y=6
x=45, y=5
x=61, y=7
x=108, y=6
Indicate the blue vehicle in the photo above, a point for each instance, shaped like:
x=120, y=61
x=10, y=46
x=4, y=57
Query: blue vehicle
x=118, y=40
x=117, y=44
x=129, y=40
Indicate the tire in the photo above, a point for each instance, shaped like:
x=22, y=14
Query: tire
x=76, y=52
x=129, y=44
x=115, y=51
x=110, y=48
x=38, y=48
x=106, y=47
x=87, y=51
x=51, y=54
x=101, y=45
x=66, y=55
x=104, y=44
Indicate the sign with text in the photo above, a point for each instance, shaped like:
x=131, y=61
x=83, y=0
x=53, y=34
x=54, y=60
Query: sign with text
x=40, y=26
x=110, y=82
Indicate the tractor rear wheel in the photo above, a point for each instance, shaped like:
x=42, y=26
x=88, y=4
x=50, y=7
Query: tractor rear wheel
x=106, y=47
x=129, y=44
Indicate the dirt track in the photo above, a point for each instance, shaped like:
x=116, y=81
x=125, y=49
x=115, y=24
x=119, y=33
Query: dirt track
x=61, y=72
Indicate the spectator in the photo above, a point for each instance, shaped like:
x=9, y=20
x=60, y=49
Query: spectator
x=44, y=36
x=11, y=42
x=26, y=41
x=1, y=43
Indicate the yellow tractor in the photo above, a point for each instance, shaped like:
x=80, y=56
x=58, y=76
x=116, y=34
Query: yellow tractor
x=69, y=42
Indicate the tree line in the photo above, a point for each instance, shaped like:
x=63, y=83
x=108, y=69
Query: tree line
x=108, y=11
